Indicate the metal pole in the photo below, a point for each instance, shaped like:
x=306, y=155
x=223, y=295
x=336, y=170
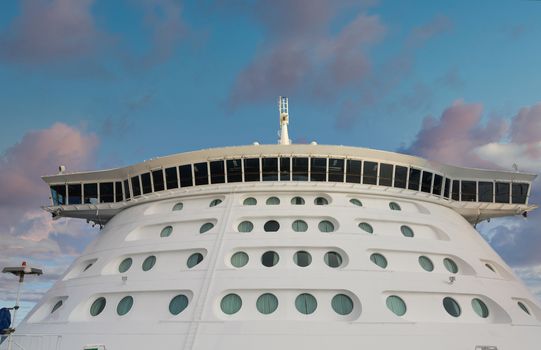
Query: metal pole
x=10, y=340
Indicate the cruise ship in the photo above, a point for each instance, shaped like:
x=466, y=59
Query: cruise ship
x=285, y=246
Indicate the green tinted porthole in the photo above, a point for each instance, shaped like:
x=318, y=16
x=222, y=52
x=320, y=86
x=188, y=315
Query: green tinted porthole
x=379, y=260
x=523, y=307
x=166, y=231
x=271, y=226
x=125, y=265
x=178, y=304
x=302, y=258
x=450, y=265
x=194, y=260
x=239, y=259
x=245, y=226
x=406, y=231
x=333, y=259
x=426, y=263
x=273, y=201
x=231, y=304
x=206, y=227
x=57, y=306
x=88, y=266
x=297, y=201
x=366, y=227
x=306, y=303
x=321, y=201
x=270, y=258
x=249, y=201
x=178, y=206
x=215, y=202
x=267, y=303
x=97, y=306
x=124, y=306
x=451, y=306
x=149, y=263
x=356, y=202
x=394, y=206
x=480, y=307
x=299, y=226
x=342, y=304
x=325, y=226
x=396, y=305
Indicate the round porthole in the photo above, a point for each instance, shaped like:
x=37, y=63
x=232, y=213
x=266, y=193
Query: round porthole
x=273, y=201
x=97, y=306
x=342, y=304
x=149, y=263
x=321, y=201
x=306, y=303
x=178, y=206
x=366, y=227
x=231, y=304
x=523, y=307
x=166, y=231
x=426, y=263
x=57, y=306
x=396, y=305
x=406, y=231
x=178, y=304
x=356, y=202
x=394, y=206
x=245, y=226
x=325, y=226
x=125, y=265
x=267, y=303
x=299, y=226
x=451, y=306
x=297, y=201
x=239, y=259
x=215, y=202
x=249, y=201
x=124, y=306
x=379, y=260
x=206, y=227
x=450, y=265
x=333, y=259
x=270, y=258
x=271, y=226
x=479, y=307
x=302, y=258
x=194, y=260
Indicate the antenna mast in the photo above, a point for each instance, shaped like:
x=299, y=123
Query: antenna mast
x=284, y=120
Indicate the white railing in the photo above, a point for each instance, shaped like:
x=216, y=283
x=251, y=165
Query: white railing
x=33, y=342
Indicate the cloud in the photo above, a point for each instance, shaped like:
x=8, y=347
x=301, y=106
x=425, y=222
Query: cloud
x=26, y=232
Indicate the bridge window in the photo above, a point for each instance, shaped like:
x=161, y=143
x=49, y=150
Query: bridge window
x=415, y=177
x=91, y=193
x=427, y=181
x=157, y=178
x=318, y=169
x=217, y=172
x=118, y=192
x=519, y=193
x=400, y=176
x=503, y=191
x=58, y=194
x=251, y=170
x=75, y=193
x=146, y=183
x=370, y=173
x=456, y=190
x=336, y=170
x=106, y=192
x=486, y=192
x=285, y=169
x=300, y=169
x=436, y=188
x=446, y=188
x=201, y=173
x=185, y=174
x=385, y=174
x=469, y=191
x=234, y=170
x=127, y=189
x=353, y=171
x=270, y=169
x=171, y=179
x=135, y=185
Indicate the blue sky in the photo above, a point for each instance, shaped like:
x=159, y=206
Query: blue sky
x=98, y=84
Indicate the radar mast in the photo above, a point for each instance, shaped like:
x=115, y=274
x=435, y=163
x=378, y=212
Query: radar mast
x=284, y=120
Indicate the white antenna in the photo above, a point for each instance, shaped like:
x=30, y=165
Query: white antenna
x=284, y=120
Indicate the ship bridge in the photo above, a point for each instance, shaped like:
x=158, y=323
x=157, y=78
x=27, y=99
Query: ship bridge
x=474, y=193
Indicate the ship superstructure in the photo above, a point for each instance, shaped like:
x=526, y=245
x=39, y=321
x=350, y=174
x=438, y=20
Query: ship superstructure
x=287, y=245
